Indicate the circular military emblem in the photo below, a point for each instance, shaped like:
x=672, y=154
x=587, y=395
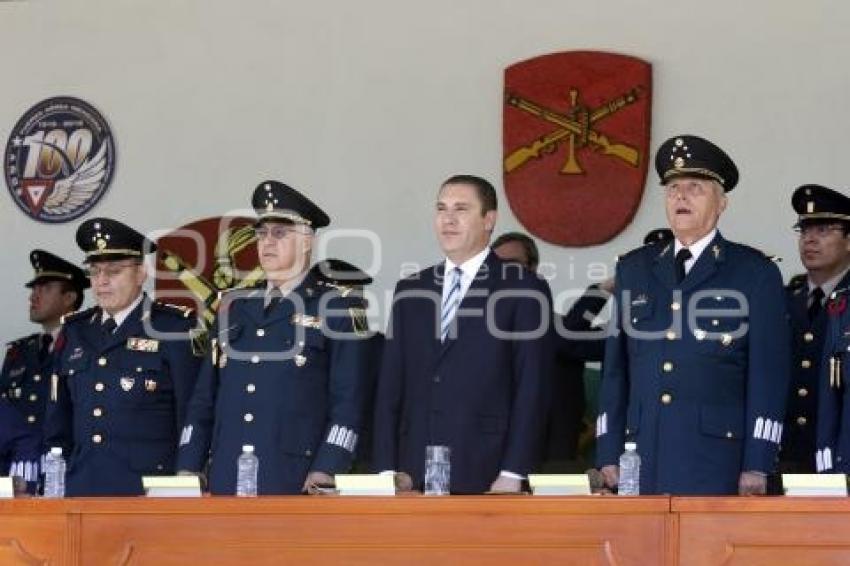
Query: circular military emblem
x=59, y=159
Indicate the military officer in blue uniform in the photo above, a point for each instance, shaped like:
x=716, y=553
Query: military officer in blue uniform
x=349, y=279
x=125, y=371
x=286, y=367
x=697, y=371
x=57, y=288
x=830, y=213
x=20, y=446
x=824, y=246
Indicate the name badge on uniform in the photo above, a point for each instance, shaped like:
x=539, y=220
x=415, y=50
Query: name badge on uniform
x=17, y=372
x=143, y=344
x=640, y=300
x=127, y=383
x=307, y=320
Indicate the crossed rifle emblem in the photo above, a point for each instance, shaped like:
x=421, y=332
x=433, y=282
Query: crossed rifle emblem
x=575, y=128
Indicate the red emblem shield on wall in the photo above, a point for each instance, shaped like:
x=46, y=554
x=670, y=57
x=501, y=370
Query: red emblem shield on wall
x=196, y=261
x=576, y=143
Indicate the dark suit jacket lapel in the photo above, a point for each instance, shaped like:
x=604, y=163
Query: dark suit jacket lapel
x=475, y=299
x=433, y=309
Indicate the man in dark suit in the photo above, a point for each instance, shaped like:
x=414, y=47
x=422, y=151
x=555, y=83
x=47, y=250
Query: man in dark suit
x=287, y=364
x=466, y=358
x=824, y=244
x=697, y=371
x=57, y=289
x=125, y=371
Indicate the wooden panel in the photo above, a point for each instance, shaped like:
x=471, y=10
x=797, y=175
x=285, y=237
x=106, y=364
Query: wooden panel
x=763, y=531
x=32, y=533
x=457, y=530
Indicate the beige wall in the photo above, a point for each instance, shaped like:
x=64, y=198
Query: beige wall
x=366, y=105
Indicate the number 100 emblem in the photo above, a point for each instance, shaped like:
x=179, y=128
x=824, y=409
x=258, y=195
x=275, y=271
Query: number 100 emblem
x=59, y=159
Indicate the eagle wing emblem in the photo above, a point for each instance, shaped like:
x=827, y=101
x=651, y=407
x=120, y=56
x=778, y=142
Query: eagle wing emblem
x=77, y=188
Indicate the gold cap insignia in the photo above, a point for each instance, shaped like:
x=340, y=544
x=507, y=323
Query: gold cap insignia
x=359, y=322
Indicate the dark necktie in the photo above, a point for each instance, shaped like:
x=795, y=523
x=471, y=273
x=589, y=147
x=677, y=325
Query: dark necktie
x=682, y=256
x=44, y=349
x=816, y=304
x=273, y=297
x=108, y=326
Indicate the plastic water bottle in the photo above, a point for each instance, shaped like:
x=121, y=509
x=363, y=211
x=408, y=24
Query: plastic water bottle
x=54, y=473
x=247, y=466
x=629, y=471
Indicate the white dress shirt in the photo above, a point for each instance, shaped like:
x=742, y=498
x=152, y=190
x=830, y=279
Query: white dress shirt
x=696, y=248
x=121, y=315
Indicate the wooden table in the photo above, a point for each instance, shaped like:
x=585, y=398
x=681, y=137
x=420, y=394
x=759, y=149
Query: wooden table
x=762, y=531
x=426, y=530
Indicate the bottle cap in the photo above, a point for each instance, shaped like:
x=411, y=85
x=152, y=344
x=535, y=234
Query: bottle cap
x=248, y=448
x=56, y=450
x=631, y=445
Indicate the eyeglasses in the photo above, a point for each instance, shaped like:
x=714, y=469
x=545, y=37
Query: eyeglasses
x=108, y=270
x=277, y=231
x=818, y=230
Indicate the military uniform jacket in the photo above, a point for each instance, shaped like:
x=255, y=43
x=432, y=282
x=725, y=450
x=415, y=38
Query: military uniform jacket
x=480, y=393
x=807, y=341
x=20, y=445
x=567, y=397
x=25, y=379
x=120, y=398
x=833, y=425
x=288, y=379
x=705, y=399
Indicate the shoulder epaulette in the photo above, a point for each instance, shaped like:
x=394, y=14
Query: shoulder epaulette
x=22, y=340
x=179, y=310
x=343, y=290
x=758, y=252
x=797, y=281
x=76, y=315
x=639, y=249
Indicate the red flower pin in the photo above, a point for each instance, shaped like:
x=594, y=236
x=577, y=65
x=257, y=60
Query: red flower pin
x=837, y=306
